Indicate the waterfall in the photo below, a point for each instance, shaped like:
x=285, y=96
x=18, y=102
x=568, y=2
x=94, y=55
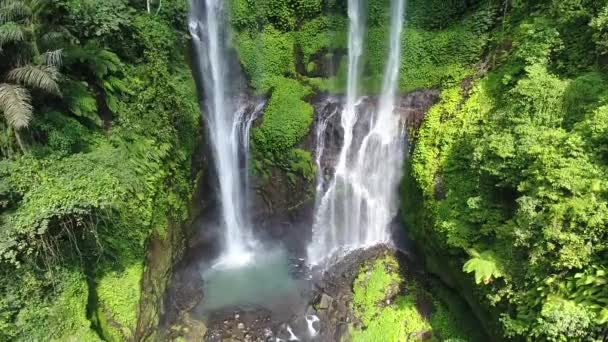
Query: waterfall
x=360, y=202
x=229, y=120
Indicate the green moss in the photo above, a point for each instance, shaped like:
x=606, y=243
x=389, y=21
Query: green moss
x=371, y=286
x=118, y=299
x=266, y=55
x=285, y=122
x=284, y=15
x=301, y=164
x=320, y=34
x=68, y=315
x=442, y=58
x=397, y=322
x=56, y=307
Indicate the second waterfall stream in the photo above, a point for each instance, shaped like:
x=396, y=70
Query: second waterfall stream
x=356, y=207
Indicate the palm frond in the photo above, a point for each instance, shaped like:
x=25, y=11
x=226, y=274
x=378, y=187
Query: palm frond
x=56, y=37
x=38, y=7
x=10, y=33
x=43, y=77
x=15, y=103
x=14, y=10
x=52, y=58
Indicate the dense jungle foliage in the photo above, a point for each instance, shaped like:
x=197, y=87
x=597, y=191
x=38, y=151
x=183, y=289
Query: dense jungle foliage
x=99, y=121
x=508, y=176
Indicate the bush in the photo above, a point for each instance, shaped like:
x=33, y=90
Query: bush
x=285, y=122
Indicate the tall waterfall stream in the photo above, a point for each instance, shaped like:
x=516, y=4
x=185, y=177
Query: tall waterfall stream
x=229, y=126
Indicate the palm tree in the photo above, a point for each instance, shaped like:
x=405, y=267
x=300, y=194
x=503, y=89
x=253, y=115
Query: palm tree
x=26, y=68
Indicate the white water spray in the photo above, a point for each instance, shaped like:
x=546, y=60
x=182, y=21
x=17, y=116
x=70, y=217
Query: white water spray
x=228, y=126
x=292, y=336
x=310, y=321
x=360, y=202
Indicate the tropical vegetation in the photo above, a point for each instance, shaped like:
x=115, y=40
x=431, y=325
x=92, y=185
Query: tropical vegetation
x=504, y=191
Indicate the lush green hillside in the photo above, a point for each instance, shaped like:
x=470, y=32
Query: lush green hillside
x=507, y=192
x=99, y=120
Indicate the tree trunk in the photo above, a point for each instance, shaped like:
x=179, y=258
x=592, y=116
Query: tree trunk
x=19, y=141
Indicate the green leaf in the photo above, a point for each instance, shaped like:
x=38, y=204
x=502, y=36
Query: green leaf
x=484, y=265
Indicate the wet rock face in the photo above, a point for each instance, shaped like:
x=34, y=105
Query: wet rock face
x=413, y=106
x=282, y=209
x=327, y=133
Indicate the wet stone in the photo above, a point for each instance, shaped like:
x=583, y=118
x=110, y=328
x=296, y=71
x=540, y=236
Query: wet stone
x=325, y=302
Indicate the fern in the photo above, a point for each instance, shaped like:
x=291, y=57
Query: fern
x=52, y=58
x=57, y=37
x=107, y=62
x=81, y=101
x=484, y=265
x=101, y=62
x=114, y=84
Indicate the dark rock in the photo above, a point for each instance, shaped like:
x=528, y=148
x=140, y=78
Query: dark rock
x=421, y=336
x=438, y=188
x=413, y=106
x=324, y=302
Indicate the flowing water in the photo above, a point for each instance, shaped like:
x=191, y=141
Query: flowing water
x=228, y=124
x=357, y=206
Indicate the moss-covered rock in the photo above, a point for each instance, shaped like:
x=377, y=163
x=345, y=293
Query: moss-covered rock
x=118, y=294
x=393, y=306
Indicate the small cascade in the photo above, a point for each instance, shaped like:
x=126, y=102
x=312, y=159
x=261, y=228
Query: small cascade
x=229, y=120
x=292, y=336
x=357, y=206
x=310, y=321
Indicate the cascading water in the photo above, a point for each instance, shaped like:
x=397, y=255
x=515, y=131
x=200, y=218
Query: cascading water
x=359, y=203
x=228, y=126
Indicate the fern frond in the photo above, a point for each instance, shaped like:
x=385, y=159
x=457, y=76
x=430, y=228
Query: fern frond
x=81, y=100
x=15, y=103
x=52, y=58
x=101, y=61
x=484, y=265
x=106, y=62
x=14, y=10
x=83, y=104
x=114, y=84
x=10, y=33
x=37, y=76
